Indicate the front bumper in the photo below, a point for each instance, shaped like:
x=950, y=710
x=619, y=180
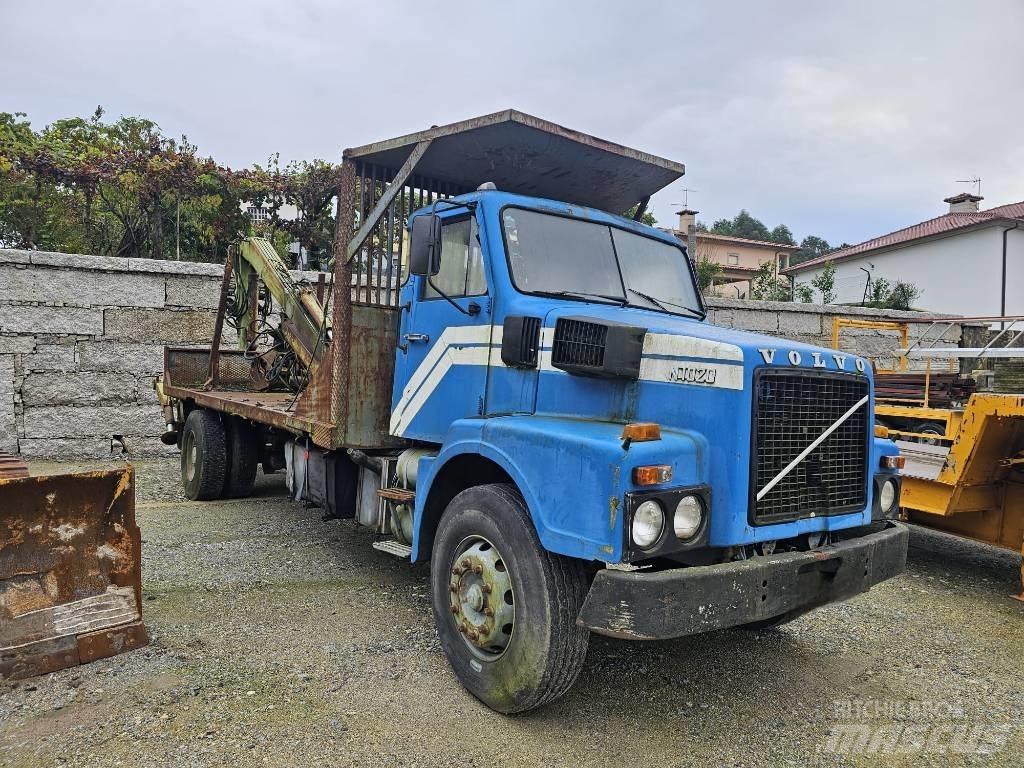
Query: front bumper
x=685, y=601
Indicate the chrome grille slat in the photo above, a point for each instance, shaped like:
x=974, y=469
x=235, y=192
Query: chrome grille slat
x=790, y=411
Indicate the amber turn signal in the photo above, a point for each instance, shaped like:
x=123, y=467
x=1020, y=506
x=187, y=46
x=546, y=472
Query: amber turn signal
x=894, y=462
x=652, y=475
x=881, y=431
x=641, y=432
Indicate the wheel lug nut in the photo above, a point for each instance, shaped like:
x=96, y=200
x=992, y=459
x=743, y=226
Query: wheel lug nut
x=455, y=609
x=488, y=611
x=465, y=562
x=456, y=571
x=462, y=628
x=487, y=589
x=478, y=569
x=474, y=636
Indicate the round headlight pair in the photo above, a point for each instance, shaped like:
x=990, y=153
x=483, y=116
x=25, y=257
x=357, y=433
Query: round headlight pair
x=648, y=523
x=649, y=520
x=887, y=496
x=688, y=518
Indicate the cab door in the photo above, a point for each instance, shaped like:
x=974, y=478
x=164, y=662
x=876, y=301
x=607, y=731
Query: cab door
x=444, y=344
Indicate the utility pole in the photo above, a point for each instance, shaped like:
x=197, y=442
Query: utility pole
x=177, y=227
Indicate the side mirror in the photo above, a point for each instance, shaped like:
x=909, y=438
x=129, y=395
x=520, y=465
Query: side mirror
x=425, y=246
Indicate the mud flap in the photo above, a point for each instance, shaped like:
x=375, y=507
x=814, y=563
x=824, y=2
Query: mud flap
x=70, y=570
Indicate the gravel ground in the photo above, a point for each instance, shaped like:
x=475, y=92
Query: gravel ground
x=280, y=639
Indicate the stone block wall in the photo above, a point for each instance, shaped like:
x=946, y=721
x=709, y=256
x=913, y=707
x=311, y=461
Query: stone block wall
x=812, y=324
x=81, y=342
x=82, y=337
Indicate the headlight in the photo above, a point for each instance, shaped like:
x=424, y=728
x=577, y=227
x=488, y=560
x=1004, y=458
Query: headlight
x=688, y=517
x=648, y=522
x=887, y=496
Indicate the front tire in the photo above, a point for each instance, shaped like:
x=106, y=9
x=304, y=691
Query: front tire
x=505, y=608
x=203, y=455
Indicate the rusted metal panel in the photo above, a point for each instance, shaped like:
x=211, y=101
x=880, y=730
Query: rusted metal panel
x=104, y=643
x=218, y=326
x=12, y=466
x=70, y=570
x=370, y=370
x=525, y=154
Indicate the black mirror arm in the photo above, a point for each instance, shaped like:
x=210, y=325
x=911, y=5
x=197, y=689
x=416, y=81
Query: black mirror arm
x=447, y=298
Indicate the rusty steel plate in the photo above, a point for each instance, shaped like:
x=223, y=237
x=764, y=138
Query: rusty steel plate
x=528, y=155
x=70, y=570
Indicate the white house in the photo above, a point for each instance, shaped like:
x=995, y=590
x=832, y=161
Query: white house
x=967, y=262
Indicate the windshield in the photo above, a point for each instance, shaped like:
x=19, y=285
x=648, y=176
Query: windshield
x=559, y=255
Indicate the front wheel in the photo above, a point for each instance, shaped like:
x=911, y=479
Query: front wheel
x=505, y=608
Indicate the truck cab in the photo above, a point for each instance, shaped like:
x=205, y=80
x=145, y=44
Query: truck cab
x=568, y=440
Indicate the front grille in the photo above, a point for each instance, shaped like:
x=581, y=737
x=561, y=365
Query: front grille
x=578, y=343
x=791, y=410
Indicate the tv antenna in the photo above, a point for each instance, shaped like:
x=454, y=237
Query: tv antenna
x=686, y=196
x=975, y=180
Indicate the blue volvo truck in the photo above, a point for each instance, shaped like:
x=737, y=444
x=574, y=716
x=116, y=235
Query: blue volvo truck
x=507, y=376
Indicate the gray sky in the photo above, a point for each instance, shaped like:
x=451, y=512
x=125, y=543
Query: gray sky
x=843, y=119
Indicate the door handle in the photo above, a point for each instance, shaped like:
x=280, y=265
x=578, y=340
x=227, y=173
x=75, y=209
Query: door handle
x=413, y=338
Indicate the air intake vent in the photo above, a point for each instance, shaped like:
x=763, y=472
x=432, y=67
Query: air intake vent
x=597, y=347
x=520, y=341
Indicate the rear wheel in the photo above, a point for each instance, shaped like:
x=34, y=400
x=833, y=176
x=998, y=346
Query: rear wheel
x=242, y=458
x=203, y=455
x=505, y=608
x=934, y=428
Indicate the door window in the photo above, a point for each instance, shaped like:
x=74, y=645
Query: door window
x=462, y=266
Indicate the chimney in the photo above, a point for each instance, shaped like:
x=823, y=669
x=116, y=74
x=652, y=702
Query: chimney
x=965, y=202
x=687, y=219
x=688, y=228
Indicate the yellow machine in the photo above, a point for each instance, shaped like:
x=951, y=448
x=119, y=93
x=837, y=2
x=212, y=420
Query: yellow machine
x=965, y=472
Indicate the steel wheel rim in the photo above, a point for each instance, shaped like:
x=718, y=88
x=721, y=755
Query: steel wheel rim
x=481, y=600
x=189, y=451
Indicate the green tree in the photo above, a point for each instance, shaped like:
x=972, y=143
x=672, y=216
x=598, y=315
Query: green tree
x=879, y=291
x=811, y=247
x=903, y=296
x=766, y=285
x=804, y=292
x=781, y=234
x=825, y=282
x=707, y=270
x=647, y=218
x=123, y=188
x=742, y=225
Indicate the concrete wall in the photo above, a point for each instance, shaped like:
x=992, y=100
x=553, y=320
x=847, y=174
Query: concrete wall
x=960, y=274
x=81, y=341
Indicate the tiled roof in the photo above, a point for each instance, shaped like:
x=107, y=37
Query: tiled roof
x=739, y=240
x=949, y=222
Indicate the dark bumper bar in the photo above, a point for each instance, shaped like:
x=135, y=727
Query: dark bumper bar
x=685, y=601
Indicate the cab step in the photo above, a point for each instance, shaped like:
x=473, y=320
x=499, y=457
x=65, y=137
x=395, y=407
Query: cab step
x=393, y=547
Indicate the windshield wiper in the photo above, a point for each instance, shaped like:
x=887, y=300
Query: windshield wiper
x=584, y=295
x=662, y=302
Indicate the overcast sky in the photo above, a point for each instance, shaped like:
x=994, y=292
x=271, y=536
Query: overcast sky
x=843, y=119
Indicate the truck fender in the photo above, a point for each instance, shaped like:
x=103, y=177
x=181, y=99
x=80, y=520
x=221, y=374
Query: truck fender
x=493, y=466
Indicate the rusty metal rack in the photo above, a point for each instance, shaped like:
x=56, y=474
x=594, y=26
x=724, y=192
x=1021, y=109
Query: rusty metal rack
x=347, y=398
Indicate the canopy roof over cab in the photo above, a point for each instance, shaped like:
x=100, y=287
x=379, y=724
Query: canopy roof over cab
x=526, y=155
